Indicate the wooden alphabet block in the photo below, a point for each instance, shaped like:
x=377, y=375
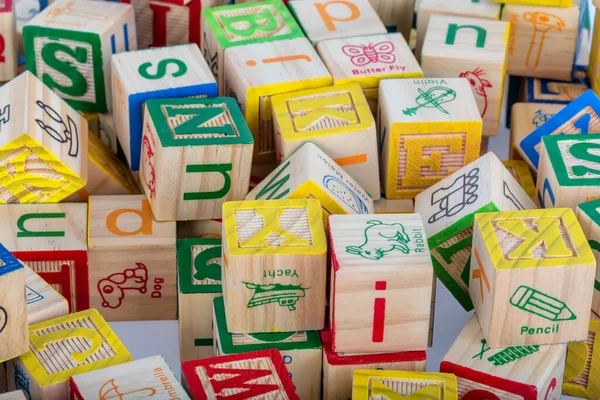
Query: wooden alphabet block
x=204, y=379
x=385, y=206
x=165, y=72
x=310, y=173
x=43, y=146
x=255, y=72
x=13, y=307
x=377, y=264
x=196, y=155
x=332, y=19
x=588, y=215
x=543, y=40
x=370, y=383
x=43, y=302
x=241, y=24
x=63, y=347
x=142, y=378
x=582, y=369
x=536, y=90
x=8, y=41
x=397, y=16
x=569, y=171
x=581, y=116
x=338, y=368
x=520, y=171
x=15, y=395
x=69, y=45
x=262, y=292
x=51, y=240
x=474, y=49
x=532, y=277
x=448, y=208
x=199, y=282
x=526, y=118
x=132, y=260
x=498, y=373
x=480, y=9
x=431, y=131
x=302, y=351
x=338, y=120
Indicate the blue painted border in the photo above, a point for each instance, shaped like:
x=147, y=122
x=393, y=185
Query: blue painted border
x=11, y=264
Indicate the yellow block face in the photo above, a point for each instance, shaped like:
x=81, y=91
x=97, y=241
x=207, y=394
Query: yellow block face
x=321, y=112
x=403, y=385
x=273, y=227
x=521, y=172
x=422, y=154
x=72, y=344
x=582, y=369
x=29, y=173
x=534, y=238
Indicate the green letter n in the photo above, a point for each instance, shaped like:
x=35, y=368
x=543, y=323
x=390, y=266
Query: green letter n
x=453, y=28
x=24, y=232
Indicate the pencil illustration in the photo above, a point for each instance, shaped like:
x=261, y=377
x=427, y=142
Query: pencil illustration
x=538, y=303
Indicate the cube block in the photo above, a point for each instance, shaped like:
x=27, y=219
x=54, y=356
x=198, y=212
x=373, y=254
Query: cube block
x=13, y=307
x=588, y=215
x=526, y=118
x=369, y=383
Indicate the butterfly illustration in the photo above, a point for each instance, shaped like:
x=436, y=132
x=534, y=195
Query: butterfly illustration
x=371, y=53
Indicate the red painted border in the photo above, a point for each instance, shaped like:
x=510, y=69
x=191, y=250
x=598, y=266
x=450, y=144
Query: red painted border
x=75, y=393
x=195, y=386
x=336, y=359
x=528, y=392
x=82, y=290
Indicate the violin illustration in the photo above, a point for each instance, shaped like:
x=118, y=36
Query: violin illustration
x=434, y=97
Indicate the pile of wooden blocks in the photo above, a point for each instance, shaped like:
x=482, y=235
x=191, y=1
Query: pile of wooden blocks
x=289, y=180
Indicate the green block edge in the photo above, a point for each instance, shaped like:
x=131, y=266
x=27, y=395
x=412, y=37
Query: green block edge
x=184, y=266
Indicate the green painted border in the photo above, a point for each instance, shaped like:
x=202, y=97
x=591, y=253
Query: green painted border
x=558, y=164
x=184, y=266
x=283, y=11
x=590, y=209
x=164, y=132
x=227, y=347
x=30, y=32
x=459, y=226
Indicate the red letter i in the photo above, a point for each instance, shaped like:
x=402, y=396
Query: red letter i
x=379, y=313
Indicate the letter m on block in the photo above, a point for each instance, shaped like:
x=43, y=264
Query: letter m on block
x=239, y=384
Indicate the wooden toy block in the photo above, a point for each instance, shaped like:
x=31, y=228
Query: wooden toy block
x=474, y=49
x=301, y=351
x=208, y=228
x=255, y=72
x=532, y=277
x=542, y=41
x=13, y=308
x=132, y=260
x=43, y=146
x=536, y=90
x=385, y=206
x=107, y=132
x=568, y=171
x=368, y=59
x=199, y=282
x=51, y=240
x=338, y=120
x=63, y=347
x=594, y=60
x=338, y=368
x=397, y=16
x=15, y=395
x=499, y=373
x=69, y=45
x=370, y=383
x=310, y=173
x=433, y=130
x=448, y=208
x=196, y=155
x=264, y=293
x=588, y=215
x=550, y=3
x=43, y=302
x=240, y=24
x=332, y=19
x=526, y=118
x=582, y=368
x=8, y=41
x=205, y=380
x=480, y=9
x=520, y=171
x=158, y=73
x=379, y=262
x=581, y=116
x=147, y=377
